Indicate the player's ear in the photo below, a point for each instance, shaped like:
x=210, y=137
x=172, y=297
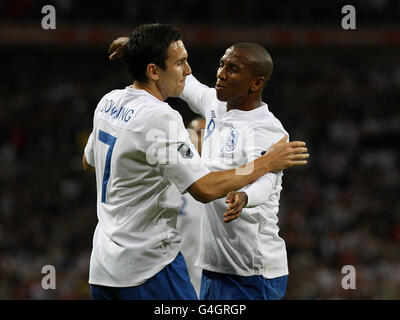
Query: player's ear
x=152, y=71
x=257, y=84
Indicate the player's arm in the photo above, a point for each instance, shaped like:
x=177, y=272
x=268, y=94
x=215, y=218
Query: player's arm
x=197, y=95
x=86, y=166
x=260, y=190
x=281, y=156
x=88, y=155
x=252, y=195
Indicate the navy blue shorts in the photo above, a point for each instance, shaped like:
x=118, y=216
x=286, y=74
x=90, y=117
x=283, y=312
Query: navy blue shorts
x=221, y=286
x=171, y=283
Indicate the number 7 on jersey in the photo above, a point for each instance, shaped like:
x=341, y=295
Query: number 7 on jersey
x=110, y=140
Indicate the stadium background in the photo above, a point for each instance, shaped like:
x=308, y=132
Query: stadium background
x=337, y=90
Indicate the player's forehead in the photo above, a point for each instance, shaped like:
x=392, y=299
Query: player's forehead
x=177, y=51
x=235, y=56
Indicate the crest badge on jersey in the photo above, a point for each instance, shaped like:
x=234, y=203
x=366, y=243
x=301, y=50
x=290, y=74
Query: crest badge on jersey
x=231, y=140
x=185, y=151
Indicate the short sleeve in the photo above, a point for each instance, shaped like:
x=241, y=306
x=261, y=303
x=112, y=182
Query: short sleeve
x=169, y=146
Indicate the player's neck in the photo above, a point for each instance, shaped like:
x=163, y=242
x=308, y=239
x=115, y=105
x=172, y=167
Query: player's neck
x=150, y=87
x=243, y=105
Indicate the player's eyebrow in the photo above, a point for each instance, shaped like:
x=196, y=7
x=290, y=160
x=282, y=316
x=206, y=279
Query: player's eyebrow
x=233, y=66
x=229, y=64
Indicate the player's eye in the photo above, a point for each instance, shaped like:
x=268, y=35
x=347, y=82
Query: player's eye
x=181, y=62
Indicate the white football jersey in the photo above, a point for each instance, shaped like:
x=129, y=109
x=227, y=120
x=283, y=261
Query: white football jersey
x=249, y=245
x=144, y=160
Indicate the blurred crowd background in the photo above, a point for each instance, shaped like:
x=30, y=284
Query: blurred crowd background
x=342, y=209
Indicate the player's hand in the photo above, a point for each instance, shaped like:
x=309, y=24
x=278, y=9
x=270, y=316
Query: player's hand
x=283, y=155
x=236, y=200
x=117, y=48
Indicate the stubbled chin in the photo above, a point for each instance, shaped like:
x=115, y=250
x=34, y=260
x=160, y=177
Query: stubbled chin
x=220, y=96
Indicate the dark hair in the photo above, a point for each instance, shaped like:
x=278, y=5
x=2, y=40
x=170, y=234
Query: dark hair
x=149, y=43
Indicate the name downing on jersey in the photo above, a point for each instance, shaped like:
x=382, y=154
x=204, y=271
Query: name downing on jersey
x=117, y=112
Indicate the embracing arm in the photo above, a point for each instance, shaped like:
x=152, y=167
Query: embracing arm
x=197, y=95
x=263, y=137
x=117, y=48
x=260, y=190
x=217, y=184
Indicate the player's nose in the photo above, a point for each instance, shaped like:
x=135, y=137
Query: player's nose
x=221, y=74
x=188, y=70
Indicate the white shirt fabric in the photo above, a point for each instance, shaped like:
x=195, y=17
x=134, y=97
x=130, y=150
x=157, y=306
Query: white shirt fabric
x=249, y=245
x=189, y=227
x=135, y=140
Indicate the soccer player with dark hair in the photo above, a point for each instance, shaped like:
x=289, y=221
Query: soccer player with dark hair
x=144, y=160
